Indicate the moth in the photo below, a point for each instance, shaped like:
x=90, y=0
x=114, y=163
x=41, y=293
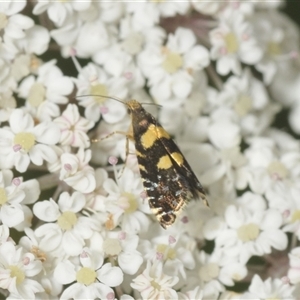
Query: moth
x=168, y=179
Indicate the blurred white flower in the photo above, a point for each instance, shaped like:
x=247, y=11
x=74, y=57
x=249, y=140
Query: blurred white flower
x=233, y=42
x=45, y=92
x=268, y=289
x=92, y=83
x=246, y=232
x=170, y=69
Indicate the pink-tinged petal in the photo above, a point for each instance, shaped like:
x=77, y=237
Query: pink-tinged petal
x=46, y=210
x=104, y=291
x=111, y=276
x=64, y=272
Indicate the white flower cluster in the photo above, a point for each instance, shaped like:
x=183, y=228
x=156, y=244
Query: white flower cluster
x=76, y=226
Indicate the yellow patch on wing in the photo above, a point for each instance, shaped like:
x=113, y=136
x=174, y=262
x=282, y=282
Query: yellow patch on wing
x=177, y=157
x=162, y=133
x=141, y=167
x=164, y=162
x=139, y=154
x=149, y=137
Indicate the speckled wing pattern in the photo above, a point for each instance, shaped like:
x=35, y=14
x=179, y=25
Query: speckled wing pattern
x=167, y=177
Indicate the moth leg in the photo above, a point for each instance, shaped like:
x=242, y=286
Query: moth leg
x=109, y=135
x=128, y=137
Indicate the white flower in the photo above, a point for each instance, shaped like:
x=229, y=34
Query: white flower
x=95, y=82
x=294, y=271
x=45, y=92
x=233, y=42
x=93, y=279
x=220, y=266
x=170, y=69
x=123, y=245
x=247, y=231
x=13, y=196
x=76, y=172
x=278, y=37
x=195, y=294
x=174, y=252
x=208, y=7
x=58, y=12
x=23, y=142
x=267, y=169
x=249, y=104
x=11, y=8
x=124, y=204
x=269, y=289
x=16, y=269
x=70, y=230
x=154, y=284
x=73, y=127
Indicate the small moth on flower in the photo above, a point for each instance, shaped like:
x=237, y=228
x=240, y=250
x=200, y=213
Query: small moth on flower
x=167, y=177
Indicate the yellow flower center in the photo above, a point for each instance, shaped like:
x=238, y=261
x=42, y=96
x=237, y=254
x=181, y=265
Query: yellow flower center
x=38, y=253
x=99, y=90
x=248, y=232
x=67, y=220
x=86, y=276
x=243, y=105
x=112, y=247
x=166, y=251
x=132, y=204
x=231, y=42
x=36, y=94
x=25, y=139
x=278, y=170
x=3, y=20
x=18, y=273
x=3, y=197
x=133, y=43
x=274, y=49
x=155, y=285
x=173, y=61
x=209, y=272
x=295, y=216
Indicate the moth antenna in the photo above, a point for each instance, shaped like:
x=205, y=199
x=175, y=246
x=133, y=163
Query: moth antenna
x=102, y=96
x=114, y=98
